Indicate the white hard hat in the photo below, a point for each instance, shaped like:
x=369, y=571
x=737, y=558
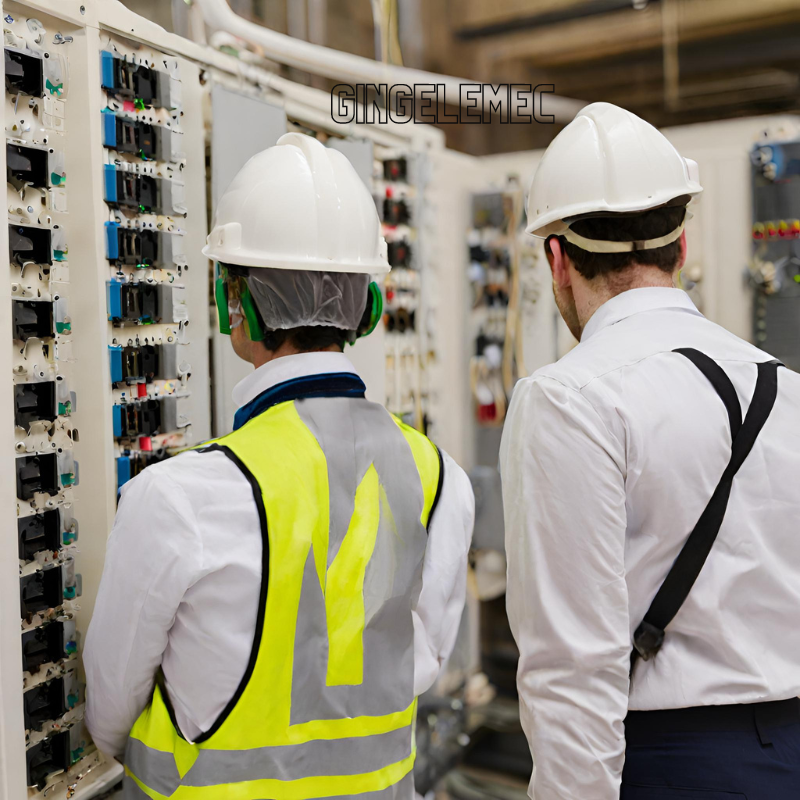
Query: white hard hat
x=607, y=160
x=298, y=205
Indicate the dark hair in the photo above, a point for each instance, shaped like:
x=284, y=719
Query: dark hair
x=625, y=228
x=306, y=339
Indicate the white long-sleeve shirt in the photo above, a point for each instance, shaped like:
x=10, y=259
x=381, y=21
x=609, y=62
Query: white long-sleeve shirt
x=608, y=459
x=182, y=577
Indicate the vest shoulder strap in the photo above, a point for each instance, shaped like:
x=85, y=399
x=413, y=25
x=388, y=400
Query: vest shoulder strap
x=429, y=462
x=649, y=636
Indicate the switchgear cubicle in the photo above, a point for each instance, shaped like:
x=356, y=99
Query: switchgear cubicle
x=110, y=359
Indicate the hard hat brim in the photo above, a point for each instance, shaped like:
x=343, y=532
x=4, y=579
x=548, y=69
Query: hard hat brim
x=552, y=223
x=242, y=258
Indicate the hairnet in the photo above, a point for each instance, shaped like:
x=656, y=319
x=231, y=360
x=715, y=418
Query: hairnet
x=293, y=298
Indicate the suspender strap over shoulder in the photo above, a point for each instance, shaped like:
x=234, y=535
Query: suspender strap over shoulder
x=649, y=636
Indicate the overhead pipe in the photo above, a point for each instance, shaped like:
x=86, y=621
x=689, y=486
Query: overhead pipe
x=351, y=69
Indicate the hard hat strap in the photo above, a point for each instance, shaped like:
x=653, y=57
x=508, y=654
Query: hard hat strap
x=606, y=246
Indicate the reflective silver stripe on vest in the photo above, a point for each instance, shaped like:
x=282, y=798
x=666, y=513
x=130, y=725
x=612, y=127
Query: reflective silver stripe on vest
x=317, y=758
x=154, y=768
x=355, y=434
x=130, y=791
x=404, y=790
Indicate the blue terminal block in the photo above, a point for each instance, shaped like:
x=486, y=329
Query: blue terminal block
x=123, y=471
x=107, y=70
x=110, y=182
x=109, y=128
x=112, y=240
x=117, y=412
x=114, y=298
x=115, y=356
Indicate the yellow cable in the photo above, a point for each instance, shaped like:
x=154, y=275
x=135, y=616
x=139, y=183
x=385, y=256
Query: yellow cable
x=395, y=54
x=512, y=346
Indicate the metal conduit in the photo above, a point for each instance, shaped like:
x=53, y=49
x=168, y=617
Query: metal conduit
x=352, y=70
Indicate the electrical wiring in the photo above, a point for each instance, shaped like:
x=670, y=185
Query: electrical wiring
x=495, y=273
x=387, y=44
x=419, y=416
x=513, y=357
x=395, y=55
x=380, y=24
x=483, y=375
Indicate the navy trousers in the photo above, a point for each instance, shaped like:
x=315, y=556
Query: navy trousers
x=715, y=753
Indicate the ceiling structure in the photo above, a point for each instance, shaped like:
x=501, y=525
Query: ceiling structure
x=670, y=61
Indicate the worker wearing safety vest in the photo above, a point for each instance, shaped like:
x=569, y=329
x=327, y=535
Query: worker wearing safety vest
x=652, y=511
x=274, y=601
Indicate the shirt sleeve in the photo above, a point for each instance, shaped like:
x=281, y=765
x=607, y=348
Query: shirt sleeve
x=152, y=557
x=444, y=576
x=564, y=499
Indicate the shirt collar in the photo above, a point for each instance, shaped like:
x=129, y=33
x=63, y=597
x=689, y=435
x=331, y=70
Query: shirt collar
x=286, y=368
x=634, y=301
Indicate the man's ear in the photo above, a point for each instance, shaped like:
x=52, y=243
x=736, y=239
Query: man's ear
x=682, y=258
x=558, y=259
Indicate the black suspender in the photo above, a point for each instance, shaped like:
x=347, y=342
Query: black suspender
x=649, y=636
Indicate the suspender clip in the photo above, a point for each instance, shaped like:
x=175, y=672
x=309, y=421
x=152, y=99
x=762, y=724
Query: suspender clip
x=648, y=640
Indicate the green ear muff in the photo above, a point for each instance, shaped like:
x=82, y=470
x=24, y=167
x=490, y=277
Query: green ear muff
x=376, y=308
x=373, y=311
x=252, y=320
x=221, y=297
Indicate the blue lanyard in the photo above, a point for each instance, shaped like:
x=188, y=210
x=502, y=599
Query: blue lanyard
x=329, y=384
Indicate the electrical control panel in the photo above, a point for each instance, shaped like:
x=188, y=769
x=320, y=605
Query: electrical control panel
x=46, y=467
x=147, y=310
x=494, y=246
x=103, y=224
x=399, y=180
x=775, y=265
x=106, y=133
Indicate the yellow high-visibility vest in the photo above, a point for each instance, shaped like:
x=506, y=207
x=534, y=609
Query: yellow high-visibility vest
x=326, y=707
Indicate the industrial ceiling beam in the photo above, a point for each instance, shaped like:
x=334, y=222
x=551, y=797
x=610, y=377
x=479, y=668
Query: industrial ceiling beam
x=470, y=16
x=631, y=31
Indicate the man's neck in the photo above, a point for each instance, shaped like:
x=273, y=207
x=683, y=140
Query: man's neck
x=591, y=294
x=263, y=356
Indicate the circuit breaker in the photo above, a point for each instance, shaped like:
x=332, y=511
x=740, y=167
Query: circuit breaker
x=147, y=311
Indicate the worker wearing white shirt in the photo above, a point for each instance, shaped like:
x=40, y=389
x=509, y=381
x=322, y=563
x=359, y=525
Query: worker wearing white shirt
x=273, y=603
x=652, y=520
